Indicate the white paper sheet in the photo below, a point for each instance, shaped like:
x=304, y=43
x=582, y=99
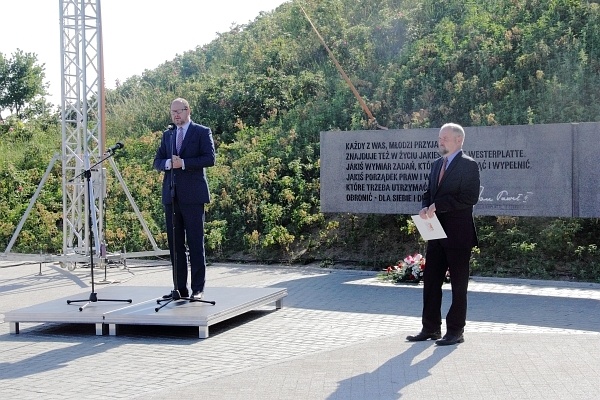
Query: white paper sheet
x=429, y=228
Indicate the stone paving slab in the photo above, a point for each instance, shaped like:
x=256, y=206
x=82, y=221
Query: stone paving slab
x=340, y=335
x=486, y=366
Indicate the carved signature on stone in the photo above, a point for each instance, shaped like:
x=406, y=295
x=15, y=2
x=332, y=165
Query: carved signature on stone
x=505, y=196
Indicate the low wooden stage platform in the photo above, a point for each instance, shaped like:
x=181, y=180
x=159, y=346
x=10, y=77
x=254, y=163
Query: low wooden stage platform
x=113, y=308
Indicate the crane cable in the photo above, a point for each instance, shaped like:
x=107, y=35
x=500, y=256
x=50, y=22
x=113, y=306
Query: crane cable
x=362, y=103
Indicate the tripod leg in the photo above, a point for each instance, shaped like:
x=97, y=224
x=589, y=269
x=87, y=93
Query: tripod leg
x=162, y=305
x=125, y=301
x=93, y=299
x=202, y=301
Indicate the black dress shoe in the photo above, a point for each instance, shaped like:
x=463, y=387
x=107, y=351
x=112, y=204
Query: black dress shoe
x=169, y=296
x=449, y=340
x=422, y=336
x=197, y=295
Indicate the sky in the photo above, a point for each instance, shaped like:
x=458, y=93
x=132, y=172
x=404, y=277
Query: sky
x=137, y=34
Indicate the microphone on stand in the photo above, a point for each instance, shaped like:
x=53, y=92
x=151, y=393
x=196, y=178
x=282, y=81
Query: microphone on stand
x=116, y=147
x=171, y=126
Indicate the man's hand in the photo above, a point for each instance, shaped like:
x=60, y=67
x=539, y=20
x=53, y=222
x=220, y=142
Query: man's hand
x=176, y=162
x=427, y=212
x=431, y=210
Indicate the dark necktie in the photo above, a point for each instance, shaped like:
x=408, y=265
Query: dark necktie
x=179, y=139
x=442, y=170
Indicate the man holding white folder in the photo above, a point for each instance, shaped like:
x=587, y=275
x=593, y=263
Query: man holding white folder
x=452, y=192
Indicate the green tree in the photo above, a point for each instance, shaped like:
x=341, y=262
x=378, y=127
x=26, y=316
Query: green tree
x=21, y=81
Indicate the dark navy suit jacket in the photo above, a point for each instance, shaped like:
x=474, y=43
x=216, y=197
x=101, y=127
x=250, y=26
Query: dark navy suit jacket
x=454, y=199
x=197, y=152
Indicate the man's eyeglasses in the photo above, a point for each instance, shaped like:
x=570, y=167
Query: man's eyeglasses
x=178, y=111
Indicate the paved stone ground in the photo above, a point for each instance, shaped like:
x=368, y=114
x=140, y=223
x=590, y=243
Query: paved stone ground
x=340, y=335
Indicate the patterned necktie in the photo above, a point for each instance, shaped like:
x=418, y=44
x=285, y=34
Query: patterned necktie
x=442, y=170
x=179, y=139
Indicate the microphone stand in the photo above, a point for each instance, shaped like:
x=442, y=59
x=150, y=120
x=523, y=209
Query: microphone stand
x=88, y=174
x=175, y=295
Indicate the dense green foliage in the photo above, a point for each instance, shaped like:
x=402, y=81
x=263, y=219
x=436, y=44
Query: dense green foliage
x=267, y=89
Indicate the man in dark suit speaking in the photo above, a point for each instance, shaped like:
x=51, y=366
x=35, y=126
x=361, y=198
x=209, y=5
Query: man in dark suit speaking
x=452, y=192
x=183, y=155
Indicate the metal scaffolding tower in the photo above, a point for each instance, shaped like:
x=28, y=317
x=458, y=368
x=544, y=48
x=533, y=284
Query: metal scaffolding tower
x=83, y=139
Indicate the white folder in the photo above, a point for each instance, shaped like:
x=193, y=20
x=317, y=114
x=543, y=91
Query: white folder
x=430, y=228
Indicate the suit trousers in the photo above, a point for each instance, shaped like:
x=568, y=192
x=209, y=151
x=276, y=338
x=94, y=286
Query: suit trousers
x=439, y=259
x=189, y=228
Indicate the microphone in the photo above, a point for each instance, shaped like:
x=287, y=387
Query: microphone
x=171, y=127
x=116, y=147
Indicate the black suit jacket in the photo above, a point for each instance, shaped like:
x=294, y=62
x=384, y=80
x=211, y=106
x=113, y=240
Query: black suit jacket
x=454, y=199
x=198, y=152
